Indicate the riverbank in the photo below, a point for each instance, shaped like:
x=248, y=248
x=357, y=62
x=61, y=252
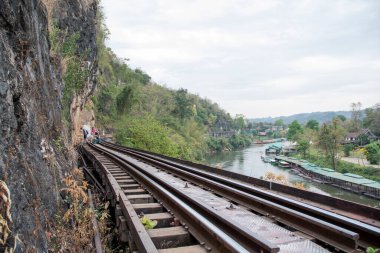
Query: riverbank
x=248, y=162
x=266, y=141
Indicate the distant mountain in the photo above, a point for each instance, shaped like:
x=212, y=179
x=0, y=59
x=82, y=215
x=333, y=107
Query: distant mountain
x=321, y=117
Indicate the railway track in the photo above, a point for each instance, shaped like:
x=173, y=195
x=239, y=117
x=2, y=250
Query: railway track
x=306, y=223
x=189, y=231
x=367, y=235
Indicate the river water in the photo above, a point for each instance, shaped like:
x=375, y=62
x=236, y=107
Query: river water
x=248, y=162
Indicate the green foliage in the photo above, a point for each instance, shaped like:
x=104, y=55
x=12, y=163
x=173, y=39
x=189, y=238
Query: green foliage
x=341, y=117
x=294, y=129
x=303, y=146
x=347, y=148
x=239, y=121
x=218, y=144
x=279, y=122
x=236, y=141
x=183, y=104
x=344, y=167
x=372, y=119
x=74, y=73
x=127, y=98
x=148, y=223
x=372, y=250
x=330, y=137
x=355, y=123
x=312, y=124
x=148, y=134
x=373, y=152
x=143, y=77
x=58, y=143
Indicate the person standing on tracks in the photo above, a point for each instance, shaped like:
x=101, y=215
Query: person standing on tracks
x=86, y=132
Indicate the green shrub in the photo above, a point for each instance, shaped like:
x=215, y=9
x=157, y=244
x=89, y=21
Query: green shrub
x=373, y=152
x=347, y=149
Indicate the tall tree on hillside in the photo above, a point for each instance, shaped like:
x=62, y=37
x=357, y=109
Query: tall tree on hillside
x=330, y=137
x=183, y=104
x=239, y=121
x=355, y=122
x=127, y=98
x=295, y=128
x=312, y=124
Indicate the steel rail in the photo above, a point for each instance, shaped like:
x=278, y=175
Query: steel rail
x=142, y=239
x=335, y=203
x=87, y=172
x=226, y=235
x=340, y=238
x=368, y=234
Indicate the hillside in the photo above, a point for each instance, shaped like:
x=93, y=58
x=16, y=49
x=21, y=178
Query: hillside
x=149, y=116
x=321, y=117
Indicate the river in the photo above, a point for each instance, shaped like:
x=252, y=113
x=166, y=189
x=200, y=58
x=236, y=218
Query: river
x=248, y=162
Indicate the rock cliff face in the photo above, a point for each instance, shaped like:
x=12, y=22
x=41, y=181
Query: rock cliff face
x=35, y=147
x=80, y=16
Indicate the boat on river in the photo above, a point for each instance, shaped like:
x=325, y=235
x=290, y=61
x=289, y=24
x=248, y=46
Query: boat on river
x=265, y=159
x=273, y=161
x=284, y=164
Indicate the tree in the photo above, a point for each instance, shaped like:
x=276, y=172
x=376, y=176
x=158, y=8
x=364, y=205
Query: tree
x=183, y=104
x=303, y=146
x=347, y=149
x=373, y=152
x=279, y=122
x=355, y=123
x=341, y=117
x=294, y=129
x=372, y=119
x=127, y=98
x=239, y=121
x=312, y=124
x=142, y=76
x=330, y=137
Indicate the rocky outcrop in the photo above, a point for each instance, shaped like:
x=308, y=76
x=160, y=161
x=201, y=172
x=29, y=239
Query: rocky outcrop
x=35, y=147
x=80, y=16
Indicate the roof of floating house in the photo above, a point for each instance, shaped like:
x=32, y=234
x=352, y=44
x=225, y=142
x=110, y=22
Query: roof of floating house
x=348, y=177
x=276, y=146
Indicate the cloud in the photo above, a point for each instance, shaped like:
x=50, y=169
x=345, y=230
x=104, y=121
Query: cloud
x=255, y=57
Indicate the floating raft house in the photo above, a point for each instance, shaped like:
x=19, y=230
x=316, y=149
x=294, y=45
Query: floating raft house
x=348, y=181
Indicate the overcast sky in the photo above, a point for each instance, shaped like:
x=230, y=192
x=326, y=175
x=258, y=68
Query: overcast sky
x=259, y=58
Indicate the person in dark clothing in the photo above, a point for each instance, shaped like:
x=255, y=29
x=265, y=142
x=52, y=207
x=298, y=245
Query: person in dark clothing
x=85, y=133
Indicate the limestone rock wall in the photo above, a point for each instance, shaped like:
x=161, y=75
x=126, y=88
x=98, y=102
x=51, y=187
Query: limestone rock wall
x=36, y=148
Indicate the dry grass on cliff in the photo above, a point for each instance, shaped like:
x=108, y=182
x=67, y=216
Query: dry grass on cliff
x=7, y=241
x=49, y=4
x=72, y=229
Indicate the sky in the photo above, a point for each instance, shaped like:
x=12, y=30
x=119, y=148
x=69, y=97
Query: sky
x=254, y=57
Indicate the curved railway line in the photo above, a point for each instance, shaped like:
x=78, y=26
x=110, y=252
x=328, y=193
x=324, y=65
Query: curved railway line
x=199, y=211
